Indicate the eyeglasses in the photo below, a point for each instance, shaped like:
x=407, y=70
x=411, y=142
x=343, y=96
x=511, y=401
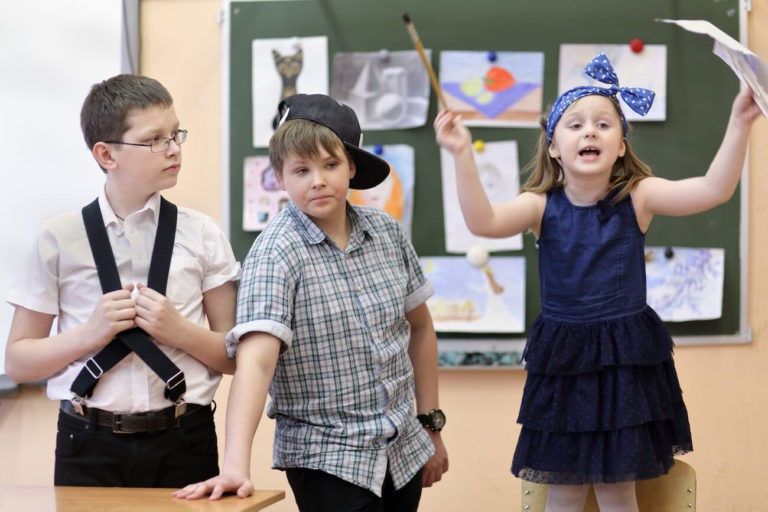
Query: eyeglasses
x=160, y=144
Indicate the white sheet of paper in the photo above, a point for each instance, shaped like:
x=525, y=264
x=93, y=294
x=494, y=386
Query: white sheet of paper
x=747, y=66
x=498, y=168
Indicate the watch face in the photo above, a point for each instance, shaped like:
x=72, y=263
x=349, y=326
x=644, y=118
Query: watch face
x=438, y=419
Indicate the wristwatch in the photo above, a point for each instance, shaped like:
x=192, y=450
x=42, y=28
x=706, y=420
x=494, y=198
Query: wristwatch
x=434, y=420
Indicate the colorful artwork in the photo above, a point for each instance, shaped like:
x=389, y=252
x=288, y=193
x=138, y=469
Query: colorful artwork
x=685, y=283
x=386, y=89
x=395, y=194
x=263, y=198
x=493, y=88
x=647, y=69
x=490, y=299
x=497, y=165
x=280, y=68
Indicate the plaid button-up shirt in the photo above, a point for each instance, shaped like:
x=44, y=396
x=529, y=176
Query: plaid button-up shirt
x=343, y=391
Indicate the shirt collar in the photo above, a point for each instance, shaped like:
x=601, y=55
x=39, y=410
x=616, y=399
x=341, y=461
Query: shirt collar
x=314, y=235
x=108, y=214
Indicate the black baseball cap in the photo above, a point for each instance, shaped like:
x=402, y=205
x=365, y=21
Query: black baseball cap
x=341, y=120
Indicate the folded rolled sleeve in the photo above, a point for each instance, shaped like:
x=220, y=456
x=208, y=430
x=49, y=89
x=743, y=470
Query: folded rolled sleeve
x=276, y=329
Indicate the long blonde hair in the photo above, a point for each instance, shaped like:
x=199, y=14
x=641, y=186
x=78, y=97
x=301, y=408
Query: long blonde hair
x=546, y=173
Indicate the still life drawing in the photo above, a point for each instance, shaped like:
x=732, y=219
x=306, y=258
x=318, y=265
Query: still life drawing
x=385, y=89
x=493, y=88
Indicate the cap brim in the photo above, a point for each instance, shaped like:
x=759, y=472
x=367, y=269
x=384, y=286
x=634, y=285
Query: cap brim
x=370, y=169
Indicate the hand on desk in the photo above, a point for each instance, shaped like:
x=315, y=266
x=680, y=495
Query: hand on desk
x=216, y=487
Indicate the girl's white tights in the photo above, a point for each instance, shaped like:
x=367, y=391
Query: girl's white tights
x=618, y=497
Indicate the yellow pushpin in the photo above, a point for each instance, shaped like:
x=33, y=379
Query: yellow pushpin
x=479, y=145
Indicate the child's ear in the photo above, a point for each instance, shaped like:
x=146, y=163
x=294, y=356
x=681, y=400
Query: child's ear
x=352, y=168
x=553, y=151
x=102, y=152
x=623, y=148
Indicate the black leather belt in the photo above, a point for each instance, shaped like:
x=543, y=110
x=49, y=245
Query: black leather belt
x=133, y=423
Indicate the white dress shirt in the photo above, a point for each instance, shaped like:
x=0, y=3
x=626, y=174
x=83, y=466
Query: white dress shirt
x=61, y=280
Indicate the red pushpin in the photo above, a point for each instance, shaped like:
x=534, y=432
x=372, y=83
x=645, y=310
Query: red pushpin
x=636, y=45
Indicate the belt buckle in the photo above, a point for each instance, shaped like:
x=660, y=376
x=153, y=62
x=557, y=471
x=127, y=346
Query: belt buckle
x=117, y=424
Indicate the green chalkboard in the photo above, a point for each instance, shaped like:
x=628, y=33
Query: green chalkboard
x=700, y=88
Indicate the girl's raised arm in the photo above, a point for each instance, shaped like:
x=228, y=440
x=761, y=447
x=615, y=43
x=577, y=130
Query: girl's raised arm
x=483, y=218
x=658, y=196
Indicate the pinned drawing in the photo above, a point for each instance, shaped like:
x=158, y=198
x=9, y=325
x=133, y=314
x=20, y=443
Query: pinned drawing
x=646, y=69
x=487, y=299
x=395, y=194
x=685, y=283
x=497, y=166
x=386, y=89
x=263, y=198
x=493, y=88
x=281, y=68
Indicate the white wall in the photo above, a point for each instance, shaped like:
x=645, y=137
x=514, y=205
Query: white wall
x=51, y=52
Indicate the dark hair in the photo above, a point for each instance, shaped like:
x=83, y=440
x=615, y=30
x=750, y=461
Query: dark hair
x=109, y=103
x=546, y=174
x=303, y=138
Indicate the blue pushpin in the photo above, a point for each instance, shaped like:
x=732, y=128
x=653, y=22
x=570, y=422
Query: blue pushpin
x=378, y=149
x=492, y=56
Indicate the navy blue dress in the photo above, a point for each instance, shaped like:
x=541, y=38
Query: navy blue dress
x=602, y=402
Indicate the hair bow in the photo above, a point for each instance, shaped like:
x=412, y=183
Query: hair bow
x=600, y=68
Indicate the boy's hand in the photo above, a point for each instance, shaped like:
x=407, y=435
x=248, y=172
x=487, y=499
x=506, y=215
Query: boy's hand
x=437, y=465
x=113, y=314
x=157, y=316
x=450, y=133
x=216, y=487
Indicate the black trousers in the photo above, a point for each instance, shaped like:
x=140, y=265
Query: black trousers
x=317, y=491
x=88, y=455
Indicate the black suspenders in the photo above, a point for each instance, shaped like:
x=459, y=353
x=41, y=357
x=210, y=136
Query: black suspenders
x=133, y=340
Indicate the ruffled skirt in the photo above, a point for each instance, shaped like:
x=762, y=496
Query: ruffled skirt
x=602, y=402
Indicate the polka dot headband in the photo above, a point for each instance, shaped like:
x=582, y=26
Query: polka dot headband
x=639, y=100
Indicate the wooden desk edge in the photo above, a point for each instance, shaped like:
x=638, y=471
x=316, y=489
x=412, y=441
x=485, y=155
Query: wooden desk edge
x=140, y=498
x=271, y=498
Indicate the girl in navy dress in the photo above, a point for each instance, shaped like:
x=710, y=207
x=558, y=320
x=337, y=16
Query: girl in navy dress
x=602, y=405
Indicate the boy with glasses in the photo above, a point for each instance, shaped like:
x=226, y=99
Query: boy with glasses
x=332, y=321
x=131, y=279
